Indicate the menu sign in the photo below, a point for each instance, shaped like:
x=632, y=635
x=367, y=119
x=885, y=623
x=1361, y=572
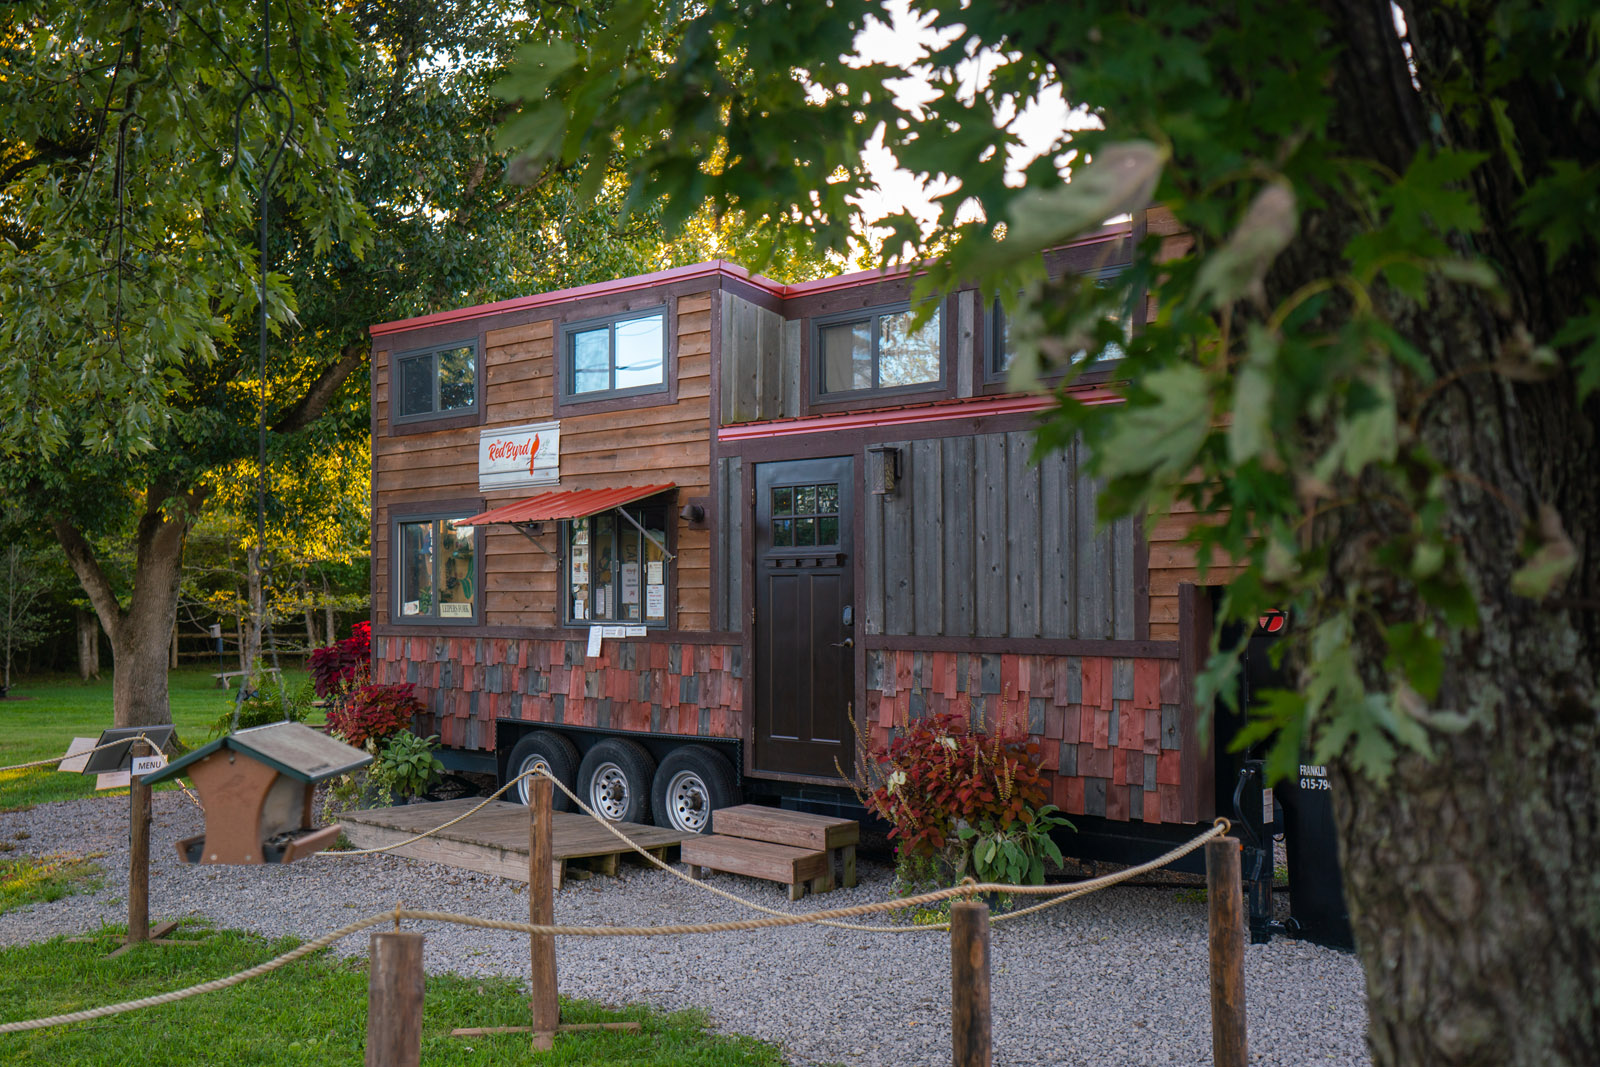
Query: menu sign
x=512, y=457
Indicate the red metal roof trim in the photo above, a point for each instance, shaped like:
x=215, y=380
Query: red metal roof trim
x=565, y=504
x=940, y=411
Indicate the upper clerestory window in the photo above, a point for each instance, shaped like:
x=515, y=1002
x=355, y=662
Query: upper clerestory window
x=618, y=356
x=877, y=350
x=437, y=381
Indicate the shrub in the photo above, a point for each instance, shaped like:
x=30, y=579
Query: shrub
x=264, y=702
x=960, y=796
x=405, y=766
x=343, y=665
x=375, y=712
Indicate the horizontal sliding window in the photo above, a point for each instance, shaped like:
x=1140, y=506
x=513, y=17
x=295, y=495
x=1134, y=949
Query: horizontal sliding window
x=615, y=357
x=437, y=382
x=1002, y=349
x=877, y=350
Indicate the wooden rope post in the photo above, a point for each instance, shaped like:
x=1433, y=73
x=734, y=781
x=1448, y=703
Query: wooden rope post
x=139, y=853
x=394, y=1000
x=970, y=1027
x=546, y=1007
x=1225, y=898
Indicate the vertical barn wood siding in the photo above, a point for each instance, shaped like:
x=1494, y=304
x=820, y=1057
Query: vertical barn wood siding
x=978, y=541
x=1108, y=729
x=658, y=686
x=760, y=372
x=729, y=535
x=640, y=445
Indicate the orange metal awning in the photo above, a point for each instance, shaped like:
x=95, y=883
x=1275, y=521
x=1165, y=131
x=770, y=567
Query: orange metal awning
x=565, y=504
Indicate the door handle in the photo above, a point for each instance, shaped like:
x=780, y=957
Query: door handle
x=848, y=642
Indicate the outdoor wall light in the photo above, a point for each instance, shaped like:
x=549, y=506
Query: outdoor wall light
x=883, y=469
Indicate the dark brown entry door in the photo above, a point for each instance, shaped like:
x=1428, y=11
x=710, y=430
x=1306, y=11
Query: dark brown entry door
x=805, y=660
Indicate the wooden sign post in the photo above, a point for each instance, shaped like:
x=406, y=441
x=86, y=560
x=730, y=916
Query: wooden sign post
x=139, y=854
x=971, y=1033
x=1225, y=900
x=395, y=987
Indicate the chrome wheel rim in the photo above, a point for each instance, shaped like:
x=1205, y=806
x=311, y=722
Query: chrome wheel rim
x=534, y=762
x=688, y=802
x=608, y=792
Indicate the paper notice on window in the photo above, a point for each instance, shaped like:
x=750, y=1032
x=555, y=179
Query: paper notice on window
x=655, y=573
x=655, y=601
x=615, y=631
x=455, y=611
x=578, y=607
x=636, y=631
x=630, y=583
x=411, y=607
x=595, y=633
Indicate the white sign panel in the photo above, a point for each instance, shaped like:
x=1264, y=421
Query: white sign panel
x=513, y=457
x=143, y=765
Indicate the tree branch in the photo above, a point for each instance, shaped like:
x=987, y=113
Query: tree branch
x=309, y=408
x=81, y=557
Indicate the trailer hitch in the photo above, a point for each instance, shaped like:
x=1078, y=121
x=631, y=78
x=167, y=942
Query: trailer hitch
x=1256, y=824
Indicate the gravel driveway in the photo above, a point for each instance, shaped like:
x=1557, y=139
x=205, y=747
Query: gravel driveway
x=1116, y=977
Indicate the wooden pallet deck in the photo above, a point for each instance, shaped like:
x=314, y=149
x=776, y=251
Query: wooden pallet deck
x=495, y=840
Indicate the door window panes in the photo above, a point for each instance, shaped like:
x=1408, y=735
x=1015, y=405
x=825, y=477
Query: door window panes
x=805, y=516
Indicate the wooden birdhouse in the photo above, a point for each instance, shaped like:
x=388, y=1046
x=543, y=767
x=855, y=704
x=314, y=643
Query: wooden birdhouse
x=256, y=787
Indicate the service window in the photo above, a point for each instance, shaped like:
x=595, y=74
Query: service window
x=436, y=382
x=436, y=564
x=876, y=350
x=620, y=356
x=616, y=571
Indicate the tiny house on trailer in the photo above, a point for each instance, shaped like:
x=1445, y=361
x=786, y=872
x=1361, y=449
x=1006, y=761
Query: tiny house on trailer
x=681, y=536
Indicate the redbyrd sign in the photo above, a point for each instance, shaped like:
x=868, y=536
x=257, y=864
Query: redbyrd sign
x=512, y=457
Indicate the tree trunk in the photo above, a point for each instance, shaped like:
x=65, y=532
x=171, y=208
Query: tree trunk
x=255, y=617
x=1472, y=877
x=88, y=644
x=140, y=634
x=327, y=610
x=311, y=612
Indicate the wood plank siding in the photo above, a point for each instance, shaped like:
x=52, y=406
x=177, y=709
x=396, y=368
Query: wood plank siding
x=979, y=541
x=666, y=442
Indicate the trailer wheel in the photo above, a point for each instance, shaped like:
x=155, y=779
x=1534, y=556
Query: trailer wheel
x=693, y=782
x=615, y=780
x=551, y=751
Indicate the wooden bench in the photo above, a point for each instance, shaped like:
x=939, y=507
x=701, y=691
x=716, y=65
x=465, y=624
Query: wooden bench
x=225, y=678
x=792, y=847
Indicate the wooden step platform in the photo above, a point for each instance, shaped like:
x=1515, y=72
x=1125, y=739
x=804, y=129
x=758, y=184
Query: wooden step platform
x=795, y=867
x=495, y=840
x=792, y=847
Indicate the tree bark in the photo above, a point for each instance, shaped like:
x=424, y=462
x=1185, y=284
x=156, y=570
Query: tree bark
x=255, y=610
x=88, y=644
x=141, y=632
x=1471, y=877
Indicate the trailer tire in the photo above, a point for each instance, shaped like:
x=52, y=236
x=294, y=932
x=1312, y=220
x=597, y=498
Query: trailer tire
x=692, y=782
x=615, y=780
x=555, y=752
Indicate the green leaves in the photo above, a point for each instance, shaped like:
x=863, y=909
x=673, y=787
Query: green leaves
x=1240, y=266
x=1552, y=561
x=1160, y=434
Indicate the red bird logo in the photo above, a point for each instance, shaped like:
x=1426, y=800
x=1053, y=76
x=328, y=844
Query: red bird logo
x=533, y=453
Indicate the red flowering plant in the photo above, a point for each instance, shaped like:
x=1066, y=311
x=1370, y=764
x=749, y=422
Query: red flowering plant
x=344, y=665
x=375, y=712
x=957, y=795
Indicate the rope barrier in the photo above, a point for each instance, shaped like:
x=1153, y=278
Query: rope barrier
x=397, y=914
x=74, y=755
x=429, y=833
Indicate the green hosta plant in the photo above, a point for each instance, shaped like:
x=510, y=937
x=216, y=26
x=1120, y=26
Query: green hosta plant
x=405, y=766
x=1014, y=854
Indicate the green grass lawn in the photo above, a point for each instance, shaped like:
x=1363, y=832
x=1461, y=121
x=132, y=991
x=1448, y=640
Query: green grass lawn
x=311, y=1012
x=59, y=709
